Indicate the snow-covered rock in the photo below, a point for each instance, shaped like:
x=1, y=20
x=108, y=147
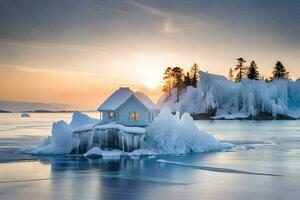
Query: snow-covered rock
x=172, y=134
x=25, y=115
x=218, y=96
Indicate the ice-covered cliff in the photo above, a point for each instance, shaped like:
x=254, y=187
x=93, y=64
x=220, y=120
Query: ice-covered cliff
x=217, y=96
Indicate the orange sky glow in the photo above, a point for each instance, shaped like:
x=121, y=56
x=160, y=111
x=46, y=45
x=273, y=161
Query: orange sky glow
x=80, y=54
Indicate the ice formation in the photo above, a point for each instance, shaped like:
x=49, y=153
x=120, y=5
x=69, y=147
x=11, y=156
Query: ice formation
x=168, y=134
x=175, y=134
x=217, y=96
x=61, y=140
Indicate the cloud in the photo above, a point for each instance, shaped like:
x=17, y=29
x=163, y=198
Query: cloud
x=170, y=27
x=45, y=45
x=171, y=22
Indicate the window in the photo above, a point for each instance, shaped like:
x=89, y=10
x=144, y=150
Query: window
x=101, y=115
x=111, y=115
x=134, y=116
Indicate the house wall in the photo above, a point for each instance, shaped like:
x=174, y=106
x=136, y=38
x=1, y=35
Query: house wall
x=133, y=105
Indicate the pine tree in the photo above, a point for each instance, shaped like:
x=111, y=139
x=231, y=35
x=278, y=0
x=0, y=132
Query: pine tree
x=187, y=80
x=230, y=74
x=280, y=71
x=168, y=81
x=252, y=73
x=178, y=79
x=240, y=68
x=195, y=74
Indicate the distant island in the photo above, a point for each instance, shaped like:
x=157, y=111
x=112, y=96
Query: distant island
x=4, y=111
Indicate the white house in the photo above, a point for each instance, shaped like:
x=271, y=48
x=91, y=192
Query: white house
x=128, y=108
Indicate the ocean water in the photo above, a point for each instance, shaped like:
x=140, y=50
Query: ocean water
x=265, y=164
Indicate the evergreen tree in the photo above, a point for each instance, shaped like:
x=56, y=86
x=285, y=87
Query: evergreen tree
x=178, y=79
x=168, y=81
x=194, y=74
x=280, y=71
x=252, y=73
x=240, y=68
x=187, y=80
x=230, y=74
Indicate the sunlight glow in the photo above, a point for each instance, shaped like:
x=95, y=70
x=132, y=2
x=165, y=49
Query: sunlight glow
x=151, y=84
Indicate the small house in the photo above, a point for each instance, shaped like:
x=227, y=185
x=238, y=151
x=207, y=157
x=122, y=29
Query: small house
x=128, y=108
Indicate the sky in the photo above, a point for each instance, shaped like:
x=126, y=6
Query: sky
x=78, y=52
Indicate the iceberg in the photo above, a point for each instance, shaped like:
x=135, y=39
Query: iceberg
x=217, y=96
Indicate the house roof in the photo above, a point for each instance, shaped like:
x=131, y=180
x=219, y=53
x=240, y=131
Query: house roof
x=116, y=99
x=120, y=96
x=145, y=100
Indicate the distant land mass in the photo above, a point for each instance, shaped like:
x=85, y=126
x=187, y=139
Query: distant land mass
x=20, y=106
x=4, y=111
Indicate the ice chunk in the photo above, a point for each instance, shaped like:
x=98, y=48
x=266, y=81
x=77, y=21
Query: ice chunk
x=80, y=119
x=171, y=134
x=61, y=140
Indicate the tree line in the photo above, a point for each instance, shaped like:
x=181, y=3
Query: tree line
x=251, y=71
x=176, y=77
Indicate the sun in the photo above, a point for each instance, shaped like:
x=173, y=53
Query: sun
x=151, y=84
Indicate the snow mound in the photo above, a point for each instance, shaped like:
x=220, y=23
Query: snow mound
x=97, y=152
x=172, y=134
x=217, y=96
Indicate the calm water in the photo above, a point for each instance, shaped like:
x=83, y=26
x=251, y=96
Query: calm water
x=271, y=148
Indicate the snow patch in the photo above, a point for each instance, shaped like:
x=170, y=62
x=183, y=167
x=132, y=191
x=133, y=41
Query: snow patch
x=131, y=129
x=97, y=152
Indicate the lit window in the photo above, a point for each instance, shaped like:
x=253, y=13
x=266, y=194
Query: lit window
x=111, y=115
x=101, y=115
x=134, y=116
